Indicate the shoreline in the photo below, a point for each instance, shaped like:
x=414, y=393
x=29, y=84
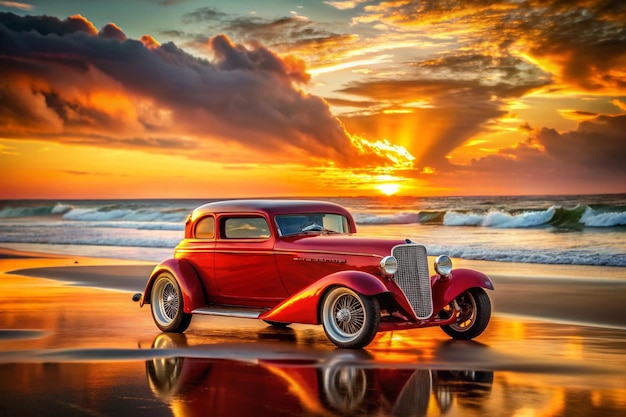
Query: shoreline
x=532, y=295
x=490, y=267
x=61, y=322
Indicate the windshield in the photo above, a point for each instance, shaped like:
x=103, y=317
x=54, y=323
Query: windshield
x=293, y=224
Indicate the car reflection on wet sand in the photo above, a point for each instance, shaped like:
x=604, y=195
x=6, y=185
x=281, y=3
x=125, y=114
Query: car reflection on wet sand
x=342, y=383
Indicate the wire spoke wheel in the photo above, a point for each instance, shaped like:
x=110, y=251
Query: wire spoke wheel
x=167, y=305
x=349, y=315
x=350, y=319
x=472, y=316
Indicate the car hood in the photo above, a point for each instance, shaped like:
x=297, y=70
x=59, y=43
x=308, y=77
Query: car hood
x=338, y=243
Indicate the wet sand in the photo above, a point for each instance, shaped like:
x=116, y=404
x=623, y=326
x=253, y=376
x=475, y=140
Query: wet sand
x=72, y=343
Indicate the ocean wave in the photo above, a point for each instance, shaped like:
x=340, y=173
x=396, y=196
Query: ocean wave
x=554, y=256
x=124, y=214
x=162, y=214
x=93, y=239
x=16, y=212
x=593, y=218
x=500, y=219
x=575, y=218
x=139, y=225
x=397, y=218
x=61, y=208
x=84, y=211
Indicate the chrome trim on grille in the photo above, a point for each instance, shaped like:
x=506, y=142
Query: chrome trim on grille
x=413, y=278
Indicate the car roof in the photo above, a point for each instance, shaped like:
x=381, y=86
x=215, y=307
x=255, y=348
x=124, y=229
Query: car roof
x=270, y=207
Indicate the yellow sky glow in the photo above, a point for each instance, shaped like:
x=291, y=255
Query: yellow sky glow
x=385, y=98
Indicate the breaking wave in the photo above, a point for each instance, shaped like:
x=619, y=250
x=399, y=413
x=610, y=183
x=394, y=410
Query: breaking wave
x=172, y=216
x=550, y=230
x=557, y=217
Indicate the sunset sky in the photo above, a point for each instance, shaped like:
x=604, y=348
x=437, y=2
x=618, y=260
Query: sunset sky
x=242, y=98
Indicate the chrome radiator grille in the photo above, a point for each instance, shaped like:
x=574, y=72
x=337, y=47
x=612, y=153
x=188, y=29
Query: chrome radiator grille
x=413, y=278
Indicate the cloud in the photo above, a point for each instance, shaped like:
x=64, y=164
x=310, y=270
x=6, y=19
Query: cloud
x=45, y=25
x=101, y=88
x=581, y=43
x=17, y=5
x=442, y=103
x=112, y=31
x=292, y=35
x=597, y=144
x=588, y=159
x=345, y=4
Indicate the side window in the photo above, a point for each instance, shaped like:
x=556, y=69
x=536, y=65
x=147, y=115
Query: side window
x=246, y=228
x=205, y=229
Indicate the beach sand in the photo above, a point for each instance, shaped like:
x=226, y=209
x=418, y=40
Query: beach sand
x=73, y=343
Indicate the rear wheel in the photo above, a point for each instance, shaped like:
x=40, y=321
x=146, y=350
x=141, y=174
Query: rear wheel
x=166, y=302
x=473, y=317
x=350, y=319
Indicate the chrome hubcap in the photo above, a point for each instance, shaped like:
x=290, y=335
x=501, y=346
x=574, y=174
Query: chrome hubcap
x=170, y=301
x=349, y=314
x=343, y=315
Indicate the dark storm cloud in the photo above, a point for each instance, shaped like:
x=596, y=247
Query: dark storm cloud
x=51, y=70
x=112, y=31
x=45, y=25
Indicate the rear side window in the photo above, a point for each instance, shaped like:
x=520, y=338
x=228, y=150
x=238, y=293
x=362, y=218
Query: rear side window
x=205, y=229
x=245, y=228
x=291, y=224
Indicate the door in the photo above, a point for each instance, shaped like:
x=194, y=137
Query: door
x=245, y=265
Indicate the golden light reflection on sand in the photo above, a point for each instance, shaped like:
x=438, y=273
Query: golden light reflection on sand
x=83, y=339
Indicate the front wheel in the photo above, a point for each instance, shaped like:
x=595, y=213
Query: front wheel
x=166, y=303
x=473, y=317
x=350, y=319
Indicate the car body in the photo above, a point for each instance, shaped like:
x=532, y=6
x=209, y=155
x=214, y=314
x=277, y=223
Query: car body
x=295, y=261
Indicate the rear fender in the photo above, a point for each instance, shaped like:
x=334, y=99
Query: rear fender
x=302, y=307
x=187, y=278
x=446, y=290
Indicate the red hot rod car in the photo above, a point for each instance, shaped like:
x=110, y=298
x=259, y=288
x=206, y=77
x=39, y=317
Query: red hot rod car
x=287, y=261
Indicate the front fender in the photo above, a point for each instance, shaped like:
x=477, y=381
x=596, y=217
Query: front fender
x=302, y=306
x=187, y=278
x=446, y=290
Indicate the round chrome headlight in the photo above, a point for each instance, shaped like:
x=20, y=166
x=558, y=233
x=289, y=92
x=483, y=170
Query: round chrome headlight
x=443, y=265
x=389, y=265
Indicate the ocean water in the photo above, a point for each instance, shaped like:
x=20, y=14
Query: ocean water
x=556, y=230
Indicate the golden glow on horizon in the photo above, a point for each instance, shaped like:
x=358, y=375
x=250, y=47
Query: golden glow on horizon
x=388, y=188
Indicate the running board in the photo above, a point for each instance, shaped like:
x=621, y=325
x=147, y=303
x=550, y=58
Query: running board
x=231, y=311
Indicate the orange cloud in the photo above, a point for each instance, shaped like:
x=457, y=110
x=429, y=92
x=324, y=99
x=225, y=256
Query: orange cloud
x=106, y=90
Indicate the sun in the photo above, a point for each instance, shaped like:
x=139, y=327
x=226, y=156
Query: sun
x=388, y=188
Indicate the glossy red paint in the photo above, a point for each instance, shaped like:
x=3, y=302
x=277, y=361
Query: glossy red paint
x=446, y=290
x=193, y=294
x=303, y=306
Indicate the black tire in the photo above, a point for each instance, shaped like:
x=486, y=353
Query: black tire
x=350, y=319
x=474, y=316
x=166, y=302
